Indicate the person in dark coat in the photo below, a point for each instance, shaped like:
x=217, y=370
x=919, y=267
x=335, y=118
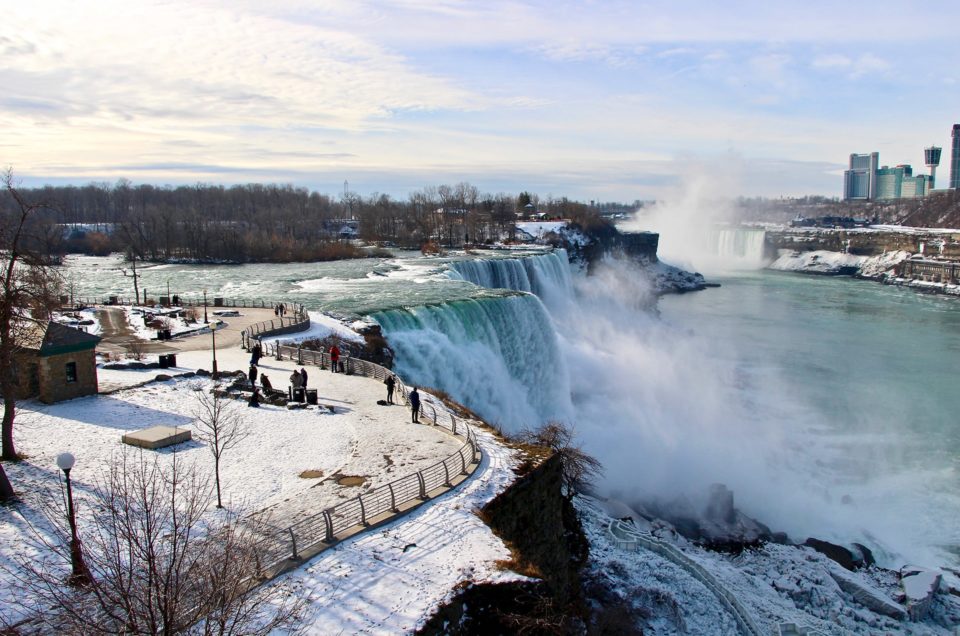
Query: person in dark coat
x=303, y=377
x=254, y=399
x=295, y=380
x=414, y=398
x=390, y=382
x=334, y=357
x=266, y=384
x=253, y=377
x=256, y=354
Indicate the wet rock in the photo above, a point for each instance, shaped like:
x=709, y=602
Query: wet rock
x=849, y=559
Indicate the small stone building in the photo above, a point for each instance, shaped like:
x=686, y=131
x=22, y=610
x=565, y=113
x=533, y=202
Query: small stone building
x=57, y=363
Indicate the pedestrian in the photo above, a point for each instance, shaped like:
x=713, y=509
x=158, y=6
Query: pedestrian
x=414, y=398
x=256, y=354
x=303, y=377
x=334, y=357
x=295, y=380
x=276, y=310
x=390, y=382
x=282, y=310
x=252, y=374
x=254, y=399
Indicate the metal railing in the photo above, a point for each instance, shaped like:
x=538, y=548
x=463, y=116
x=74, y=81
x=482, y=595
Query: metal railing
x=213, y=302
x=299, y=321
x=286, y=544
x=628, y=539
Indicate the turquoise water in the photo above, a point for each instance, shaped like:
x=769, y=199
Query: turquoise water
x=865, y=379
x=828, y=405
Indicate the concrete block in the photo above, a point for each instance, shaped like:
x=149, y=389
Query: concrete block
x=157, y=437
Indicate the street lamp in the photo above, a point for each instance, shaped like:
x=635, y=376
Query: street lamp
x=79, y=574
x=213, y=335
x=205, y=306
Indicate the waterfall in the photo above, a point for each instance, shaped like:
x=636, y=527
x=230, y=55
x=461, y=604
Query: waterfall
x=499, y=356
x=743, y=247
x=546, y=275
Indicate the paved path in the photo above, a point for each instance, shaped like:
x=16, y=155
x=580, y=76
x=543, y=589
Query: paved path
x=117, y=336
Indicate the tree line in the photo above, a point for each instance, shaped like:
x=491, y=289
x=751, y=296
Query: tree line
x=260, y=223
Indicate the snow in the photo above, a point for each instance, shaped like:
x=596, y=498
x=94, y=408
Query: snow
x=777, y=584
x=539, y=229
x=827, y=262
x=391, y=580
x=84, y=319
x=391, y=586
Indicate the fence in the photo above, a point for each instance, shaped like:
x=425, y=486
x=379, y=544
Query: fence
x=215, y=302
x=628, y=539
x=285, y=545
x=300, y=321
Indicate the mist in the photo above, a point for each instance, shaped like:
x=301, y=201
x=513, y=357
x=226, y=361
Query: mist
x=696, y=221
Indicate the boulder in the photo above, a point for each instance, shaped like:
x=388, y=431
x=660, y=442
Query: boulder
x=919, y=585
x=850, y=560
x=867, y=595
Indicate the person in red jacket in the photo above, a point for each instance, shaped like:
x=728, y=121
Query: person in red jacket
x=334, y=358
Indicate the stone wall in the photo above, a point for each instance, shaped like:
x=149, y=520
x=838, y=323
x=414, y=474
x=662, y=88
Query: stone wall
x=52, y=375
x=864, y=243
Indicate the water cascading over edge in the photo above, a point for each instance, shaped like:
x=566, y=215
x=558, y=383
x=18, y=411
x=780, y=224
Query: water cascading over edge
x=546, y=275
x=498, y=356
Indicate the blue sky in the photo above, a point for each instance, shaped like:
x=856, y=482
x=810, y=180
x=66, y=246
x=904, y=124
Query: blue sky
x=592, y=100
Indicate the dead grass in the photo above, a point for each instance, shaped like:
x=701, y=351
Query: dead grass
x=311, y=474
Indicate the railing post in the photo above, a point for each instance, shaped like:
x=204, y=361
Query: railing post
x=463, y=463
x=293, y=540
x=363, y=512
x=329, y=524
x=423, y=485
x=446, y=474
x=279, y=354
x=393, y=499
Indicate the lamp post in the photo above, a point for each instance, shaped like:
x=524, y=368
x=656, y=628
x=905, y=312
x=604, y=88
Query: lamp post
x=205, y=306
x=79, y=574
x=213, y=335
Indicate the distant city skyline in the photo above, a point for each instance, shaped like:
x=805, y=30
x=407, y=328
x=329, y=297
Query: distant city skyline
x=612, y=100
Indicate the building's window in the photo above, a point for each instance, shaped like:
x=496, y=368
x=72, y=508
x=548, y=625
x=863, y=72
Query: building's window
x=71, y=372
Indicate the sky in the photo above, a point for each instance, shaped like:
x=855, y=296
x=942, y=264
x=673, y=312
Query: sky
x=614, y=100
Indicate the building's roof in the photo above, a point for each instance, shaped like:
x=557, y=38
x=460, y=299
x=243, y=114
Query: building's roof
x=54, y=338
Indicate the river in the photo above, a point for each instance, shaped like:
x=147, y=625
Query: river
x=827, y=405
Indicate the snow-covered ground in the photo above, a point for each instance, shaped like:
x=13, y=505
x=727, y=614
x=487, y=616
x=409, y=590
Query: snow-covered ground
x=826, y=262
x=84, y=319
x=777, y=584
x=392, y=587
x=391, y=580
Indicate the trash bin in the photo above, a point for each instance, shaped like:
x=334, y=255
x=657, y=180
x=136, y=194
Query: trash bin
x=312, y=396
x=218, y=302
x=298, y=395
x=172, y=359
x=176, y=300
x=164, y=362
x=113, y=300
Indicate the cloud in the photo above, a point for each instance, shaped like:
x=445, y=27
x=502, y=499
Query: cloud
x=863, y=64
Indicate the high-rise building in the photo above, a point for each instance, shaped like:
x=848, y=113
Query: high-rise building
x=860, y=181
x=955, y=159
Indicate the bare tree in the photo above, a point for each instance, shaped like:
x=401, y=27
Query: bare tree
x=159, y=563
x=220, y=425
x=29, y=286
x=579, y=468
